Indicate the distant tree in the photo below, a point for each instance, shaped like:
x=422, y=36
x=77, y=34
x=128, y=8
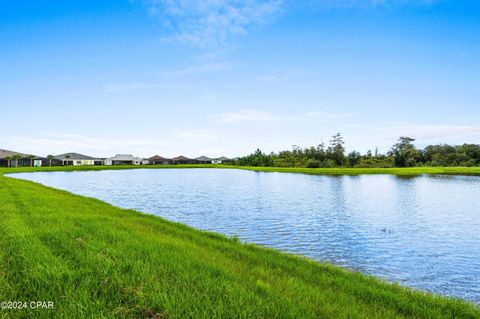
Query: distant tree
x=8, y=159
x=258, y=158
x=50, y=158
x=328, y=163
x=354, y=158
x=404, y=152
x=321, y=154
x=16, y=158
x=336, y=149
x=31, y=157
x=67, y=157
x=469, y=153
x=313, y=163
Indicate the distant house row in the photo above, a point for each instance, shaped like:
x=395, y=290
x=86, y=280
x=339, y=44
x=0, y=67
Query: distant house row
x=16, y=159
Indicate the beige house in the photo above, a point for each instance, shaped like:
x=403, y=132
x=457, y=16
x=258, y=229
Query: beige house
x=75, y=159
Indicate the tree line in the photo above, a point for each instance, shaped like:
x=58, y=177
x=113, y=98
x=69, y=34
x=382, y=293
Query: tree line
x=402, y=154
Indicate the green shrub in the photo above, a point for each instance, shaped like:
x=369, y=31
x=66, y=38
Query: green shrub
x=313, y=163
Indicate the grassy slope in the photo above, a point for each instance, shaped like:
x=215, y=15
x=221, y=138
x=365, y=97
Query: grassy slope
x=96, y=260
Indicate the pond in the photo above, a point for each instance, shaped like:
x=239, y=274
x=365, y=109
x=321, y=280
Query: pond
x=422, y=232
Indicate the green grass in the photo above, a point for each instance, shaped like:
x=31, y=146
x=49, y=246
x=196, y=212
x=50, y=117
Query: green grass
x=94, y=260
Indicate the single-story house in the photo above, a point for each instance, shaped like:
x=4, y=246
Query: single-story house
x=15, y=159
x=75, y=159
x=221, y=160
x=126, y=159
x=46, y=161
x=40, y=161
x=204, y=160
x=159, y=160
x=183, y=160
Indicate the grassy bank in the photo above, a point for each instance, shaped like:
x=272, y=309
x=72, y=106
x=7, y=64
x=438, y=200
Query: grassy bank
x=94, y=260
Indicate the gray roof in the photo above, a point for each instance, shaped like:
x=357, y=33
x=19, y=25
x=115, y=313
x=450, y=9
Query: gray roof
x=6, y=153
x=157, y=158
x=223, y=158
x=122, y=157
x=203, y=159
x=74, y=156
x=181, y=158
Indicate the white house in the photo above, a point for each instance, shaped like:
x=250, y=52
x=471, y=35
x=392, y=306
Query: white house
x=37, y=162
x=125, y=159
x=221, y=160
x=75, y=159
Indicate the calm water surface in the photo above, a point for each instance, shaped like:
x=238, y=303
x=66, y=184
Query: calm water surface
x=423, y=232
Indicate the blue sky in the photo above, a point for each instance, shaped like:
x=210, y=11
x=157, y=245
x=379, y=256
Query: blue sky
x=223, y=77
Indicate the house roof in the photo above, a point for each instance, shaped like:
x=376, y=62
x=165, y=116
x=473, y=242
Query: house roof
x=223, y=158
x=181, y=158
x=7, y=153
x=122, y=157
x=74, y=156
x=203, y=159
x=157, y=158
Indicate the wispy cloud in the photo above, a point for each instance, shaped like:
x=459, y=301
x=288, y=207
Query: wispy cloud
x=167, y=75
x=212, y=23
x=253, y=115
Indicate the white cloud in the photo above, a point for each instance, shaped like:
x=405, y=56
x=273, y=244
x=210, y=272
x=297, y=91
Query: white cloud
x=212, y=23
x=253, y=115
x=167, y=75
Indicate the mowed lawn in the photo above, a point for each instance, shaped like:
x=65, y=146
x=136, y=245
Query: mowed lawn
x=94, y=260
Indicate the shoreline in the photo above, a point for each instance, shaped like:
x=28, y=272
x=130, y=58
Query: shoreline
x=407, y=171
